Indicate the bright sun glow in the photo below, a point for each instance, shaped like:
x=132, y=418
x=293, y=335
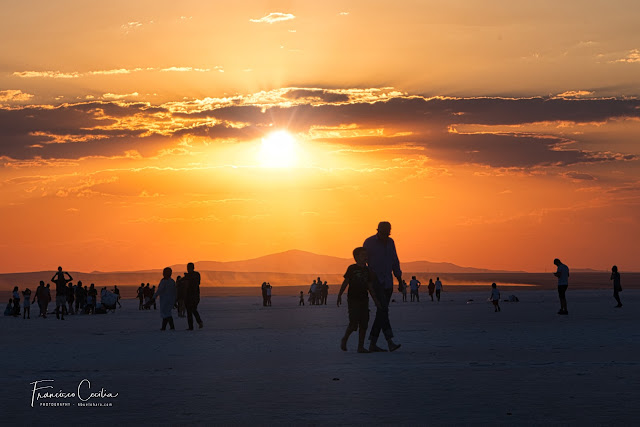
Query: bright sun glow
x=278, y=150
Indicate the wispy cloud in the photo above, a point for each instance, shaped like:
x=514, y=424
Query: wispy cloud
x=274, y=17
x=14, y=95
x=120, y=96
x=574, y=94
x=185, y=69
x=47, y=74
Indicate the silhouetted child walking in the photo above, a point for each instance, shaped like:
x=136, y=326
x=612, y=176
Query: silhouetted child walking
x=495, y=297
x=359, y=280
x=301, y=298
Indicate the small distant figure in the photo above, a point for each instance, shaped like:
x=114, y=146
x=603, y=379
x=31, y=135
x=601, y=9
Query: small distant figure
x=360, y=282
x=268, y=294
x=562, y=273
x=81, y=298
x=263, y=288
x=431, y=287
x=438, y=286
x=61, y=291
x=192, y=298
x=71, y=296
x=8, y=310
x=140, y=296
x=301, y=302
x=116, y=291
x=495, y=297
x=414, y=284
x=402, y=288
x=16, y=302
x=617, y=288
x=92, y=299
x=43, y=296
x=26, y=305
x=324, y=293
x=181, y=290
x=167, y=293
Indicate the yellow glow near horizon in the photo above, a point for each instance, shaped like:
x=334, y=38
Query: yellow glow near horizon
x=278, y=150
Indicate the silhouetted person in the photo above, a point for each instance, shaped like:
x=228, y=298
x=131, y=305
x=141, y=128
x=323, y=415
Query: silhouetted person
x=325, y=293
x=140, y=296
x=431, y=287
x=181, y=291
x=402, y=288
x=438, y=286
x=167, y=293
x=301, y=302
x=16, y=302
x=148, y=297
x=359, y=279
x=80, y=298
x=617, y=288
x=61, y=291
x=92, y=299
x=414, y=284
x=26, y=305
x=153, y=300
x=495, y=297
x=384, y=263
x=71, y=296
x=263, y=288
x=192, y=297
x=117, y=292
x=562, y=273
x=269, y=294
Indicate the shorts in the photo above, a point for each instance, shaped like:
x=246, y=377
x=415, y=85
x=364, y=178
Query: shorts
x=562, y=289
x=358, y=313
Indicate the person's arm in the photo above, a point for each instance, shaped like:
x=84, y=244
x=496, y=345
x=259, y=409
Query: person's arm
x=345, y=283
x=373, y=294
x=70, y=278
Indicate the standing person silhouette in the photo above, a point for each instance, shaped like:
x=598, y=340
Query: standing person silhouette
x=615, y=276
x=167, y=293
x=192, y=297
x=61, y=291
x=562, y=273
x=384, y=264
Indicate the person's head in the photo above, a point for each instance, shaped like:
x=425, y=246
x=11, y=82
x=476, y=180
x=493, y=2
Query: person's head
x=70, y=285
x=41, y=282
x=614, y=268
x=301, y=293
x=48, y=285
x=92, y=286
x=493, y=285
x=557, y=261
x=360, y=255
x=314, y=281
x=413, y=277
x=384, y=230
x=190, y=267
x=79, y=282
x=15, y=289
x=437, y=278
x=59, y=268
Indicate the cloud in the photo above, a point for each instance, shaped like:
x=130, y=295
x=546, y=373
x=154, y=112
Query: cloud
x=578, y=176
x=574, y=94
x=46, y=74
x=122, y=96
x=343, y=13
x=632, y=56
x=185, y=69
x=14, y=95
x=491, y=132
x=116, y=71
x=274, y=17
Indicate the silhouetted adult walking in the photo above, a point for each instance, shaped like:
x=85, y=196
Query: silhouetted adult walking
x=384, y=263
x=192, y=297
x=615, y=276
x=167, y=293
x=61, y=291
x=562, y=273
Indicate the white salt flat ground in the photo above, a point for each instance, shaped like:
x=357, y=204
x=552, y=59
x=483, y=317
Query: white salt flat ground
x=460, y=364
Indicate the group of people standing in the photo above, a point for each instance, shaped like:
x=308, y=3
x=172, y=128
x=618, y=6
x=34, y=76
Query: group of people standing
x=69, y=298
x=183, y=294
x=414, y=287
x=318, y=292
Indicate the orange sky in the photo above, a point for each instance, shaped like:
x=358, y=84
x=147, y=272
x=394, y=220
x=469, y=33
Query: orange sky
x=490, y=135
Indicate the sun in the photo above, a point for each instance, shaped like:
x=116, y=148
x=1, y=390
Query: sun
x=278, y=150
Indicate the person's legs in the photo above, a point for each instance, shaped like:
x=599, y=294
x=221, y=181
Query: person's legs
x=190, y=309
x=563, y=299
x=616, y=295
x=171, y=325
x=165, y=320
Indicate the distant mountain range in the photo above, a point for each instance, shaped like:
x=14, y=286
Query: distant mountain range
x=302, y=262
